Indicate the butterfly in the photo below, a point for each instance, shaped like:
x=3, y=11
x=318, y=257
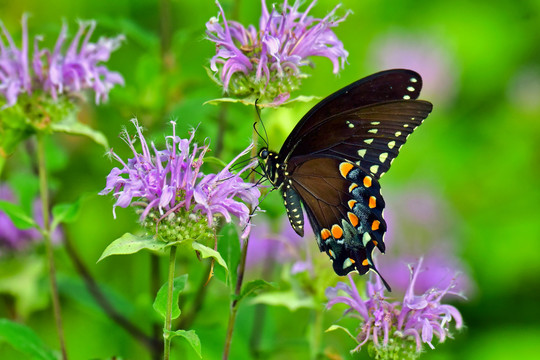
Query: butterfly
x=331, y=163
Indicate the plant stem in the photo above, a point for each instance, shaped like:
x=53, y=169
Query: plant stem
x=170, y=283
x=43, y=188
x=241, y=271
x=155, y=284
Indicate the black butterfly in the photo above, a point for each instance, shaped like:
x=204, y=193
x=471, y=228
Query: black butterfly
x=332, y=161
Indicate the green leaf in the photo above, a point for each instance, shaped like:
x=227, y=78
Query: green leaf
x=250, y=101
x=24, y=340
x=253, y=287
x=229, y=248
x=17, y=215
x=214, y=160
x=206, y=252
x=190, y=336
x=73, y=127
x=160, y=304
x=65, y=213
x=337, y=327
x=289, y=299
x=130, y=244
x=22, y=277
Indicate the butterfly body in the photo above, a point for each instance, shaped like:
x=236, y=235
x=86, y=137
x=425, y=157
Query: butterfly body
x=331, y=163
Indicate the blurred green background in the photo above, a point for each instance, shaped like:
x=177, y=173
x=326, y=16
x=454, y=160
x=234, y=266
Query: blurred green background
x=479, y=150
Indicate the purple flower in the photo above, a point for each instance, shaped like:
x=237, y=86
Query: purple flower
x=14, y=72
x=266, y=246
x=390, y=327
x=170, y=182
x=12, y=238
x=267, y=62
x=60, y=70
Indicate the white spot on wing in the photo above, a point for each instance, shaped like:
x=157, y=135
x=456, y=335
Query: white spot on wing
x=362, y=152
x=374, y=169
x=368, y=141
x=347, y=263
x=391, y=144
x=383, y=157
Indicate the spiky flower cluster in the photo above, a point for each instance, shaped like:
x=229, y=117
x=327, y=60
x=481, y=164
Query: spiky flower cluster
x=60, y=70
x=266, y=63
x=393, y=328
x=169, y=184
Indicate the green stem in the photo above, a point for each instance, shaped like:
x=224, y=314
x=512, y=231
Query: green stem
x=2, y=163
x=43, y=188
x=170, y=283
x=155, y=284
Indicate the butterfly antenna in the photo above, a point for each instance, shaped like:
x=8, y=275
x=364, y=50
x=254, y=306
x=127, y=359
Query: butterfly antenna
x=258, y=111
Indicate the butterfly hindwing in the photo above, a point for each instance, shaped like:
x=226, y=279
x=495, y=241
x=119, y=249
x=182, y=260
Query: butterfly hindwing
x=350, y=225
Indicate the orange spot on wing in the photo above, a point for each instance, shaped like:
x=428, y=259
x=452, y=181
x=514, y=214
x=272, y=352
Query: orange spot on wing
x=375, y=242
x=365, y=262
x=345, y=168
x=337, y=231
x=351, y=203
x=325, y=234
x=367, y=181
x=352, y=260
x=372, y=202
x=375, y=225
x=353, y=219
x=352, y=187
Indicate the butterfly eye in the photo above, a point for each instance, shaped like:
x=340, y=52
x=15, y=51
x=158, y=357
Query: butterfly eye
x=263, y=154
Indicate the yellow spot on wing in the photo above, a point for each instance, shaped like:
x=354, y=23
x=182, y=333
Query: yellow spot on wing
x=365, y=262
x=337, y=231
x=367, y=181
x=325, y=234
x=345, y=168
x=353, y=219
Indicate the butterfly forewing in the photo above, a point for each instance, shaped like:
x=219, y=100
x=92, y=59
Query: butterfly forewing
x=370, y=136
x=397, y=84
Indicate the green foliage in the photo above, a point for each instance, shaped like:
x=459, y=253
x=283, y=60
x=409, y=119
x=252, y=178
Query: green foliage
x=160, y=303
x=252, y=288
x=229, y=248
x=130, y=244
x=24, y=340
x=191, y=338
x=206, y=252
x=21, y=278
x=65, y=213
x=17, y=215
x=289, y=299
